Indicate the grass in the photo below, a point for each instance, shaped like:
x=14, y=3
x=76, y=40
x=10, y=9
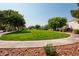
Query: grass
x=30, y=35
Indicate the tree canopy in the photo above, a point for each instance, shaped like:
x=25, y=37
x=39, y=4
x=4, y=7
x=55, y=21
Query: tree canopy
x=37, y=26
x=75, y=13
x=57, y=22
x=45, y=27
x=11, y=20
x=31, y=27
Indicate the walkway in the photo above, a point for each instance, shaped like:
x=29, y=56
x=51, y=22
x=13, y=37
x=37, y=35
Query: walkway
x=24, y=44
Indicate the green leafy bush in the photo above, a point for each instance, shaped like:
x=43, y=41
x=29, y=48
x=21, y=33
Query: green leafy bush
x=50, y=50
x=76, y=31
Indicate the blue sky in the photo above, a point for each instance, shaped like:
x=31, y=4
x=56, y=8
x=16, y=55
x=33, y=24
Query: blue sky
x=39, y=13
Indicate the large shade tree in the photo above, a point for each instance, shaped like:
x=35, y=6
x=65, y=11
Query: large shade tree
x=57, y=22
x=11, y=20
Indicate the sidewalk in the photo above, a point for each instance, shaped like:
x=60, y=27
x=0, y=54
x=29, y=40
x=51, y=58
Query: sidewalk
x=24, y=44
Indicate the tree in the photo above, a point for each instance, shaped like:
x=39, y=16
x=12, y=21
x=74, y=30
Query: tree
x=45, y=27
x=11, y=20
x=31, y=27
x=57, y=22
x=75, y=13
x=37, y=26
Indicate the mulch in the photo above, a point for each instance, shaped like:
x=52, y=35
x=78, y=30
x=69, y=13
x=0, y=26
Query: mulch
x=63, y=50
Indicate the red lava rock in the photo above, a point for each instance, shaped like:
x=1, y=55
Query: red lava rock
x=64, y=50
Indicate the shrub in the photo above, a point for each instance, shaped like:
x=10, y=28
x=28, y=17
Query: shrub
x=50, y=50
x=61, y=30
x=68, y=29
x=65, y=29
x=76, y=31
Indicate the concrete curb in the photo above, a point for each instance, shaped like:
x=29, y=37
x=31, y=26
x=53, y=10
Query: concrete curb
x=40, y=43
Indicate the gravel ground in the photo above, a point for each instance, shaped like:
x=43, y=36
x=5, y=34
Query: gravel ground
x=64, y=50
x=22, y=52
x=68, y=50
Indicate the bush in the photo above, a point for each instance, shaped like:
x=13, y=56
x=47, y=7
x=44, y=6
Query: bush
x=76, y=31
x=50, y=50
x=61, y=30
x=68, y=29
x=65, y=29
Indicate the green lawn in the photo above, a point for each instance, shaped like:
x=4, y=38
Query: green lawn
x=30, y=35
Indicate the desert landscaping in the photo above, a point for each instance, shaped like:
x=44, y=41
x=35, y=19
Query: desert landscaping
x=59, y=37
x=63, y=50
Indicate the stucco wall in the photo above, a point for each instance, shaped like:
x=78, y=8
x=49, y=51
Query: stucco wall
x=73, y=24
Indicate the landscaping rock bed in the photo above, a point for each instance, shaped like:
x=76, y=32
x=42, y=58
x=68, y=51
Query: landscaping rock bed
x=21, y=52
x=68, y=50
x=64, y=50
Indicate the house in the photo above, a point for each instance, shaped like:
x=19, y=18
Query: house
x=73, y=24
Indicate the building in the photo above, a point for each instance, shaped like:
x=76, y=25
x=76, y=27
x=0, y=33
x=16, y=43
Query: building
x=73, y=24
